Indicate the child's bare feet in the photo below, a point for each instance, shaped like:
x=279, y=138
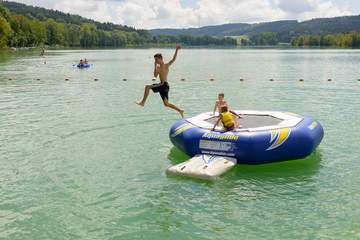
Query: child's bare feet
x=140, y=104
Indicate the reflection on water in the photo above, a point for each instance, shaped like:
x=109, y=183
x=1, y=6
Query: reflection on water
x=293, y=169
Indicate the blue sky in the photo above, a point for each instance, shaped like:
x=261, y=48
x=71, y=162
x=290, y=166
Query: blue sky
x=194, y=13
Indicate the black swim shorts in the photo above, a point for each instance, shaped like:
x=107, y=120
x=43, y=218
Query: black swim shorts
x=162, y=88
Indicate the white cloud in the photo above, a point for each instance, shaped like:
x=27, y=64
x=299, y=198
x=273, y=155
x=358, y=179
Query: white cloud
x=99, y=10
x=154, y=13
x=218, y=11
x=164, y=13
x=295, y=6
x=306, y=9
x=172, y=13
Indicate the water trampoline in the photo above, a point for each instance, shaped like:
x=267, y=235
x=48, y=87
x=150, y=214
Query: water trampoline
x=264, y=137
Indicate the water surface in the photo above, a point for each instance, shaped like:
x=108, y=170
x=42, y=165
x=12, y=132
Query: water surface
x=79, y=160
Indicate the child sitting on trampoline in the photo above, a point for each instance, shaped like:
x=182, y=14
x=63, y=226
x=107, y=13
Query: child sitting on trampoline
x=228, y=119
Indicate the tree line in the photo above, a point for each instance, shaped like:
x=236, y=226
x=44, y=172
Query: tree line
x=344, y=40
x=27, y=26
x=22, y=31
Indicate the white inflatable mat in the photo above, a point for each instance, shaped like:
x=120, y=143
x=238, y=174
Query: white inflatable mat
x=203, y=166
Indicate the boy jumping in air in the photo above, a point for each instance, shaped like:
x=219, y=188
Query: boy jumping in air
x=161, y=69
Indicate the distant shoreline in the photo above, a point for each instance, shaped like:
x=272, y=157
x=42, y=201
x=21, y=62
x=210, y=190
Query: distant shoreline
x=22, y=49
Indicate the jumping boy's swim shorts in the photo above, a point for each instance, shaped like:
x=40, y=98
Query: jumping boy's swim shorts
x=162, y=88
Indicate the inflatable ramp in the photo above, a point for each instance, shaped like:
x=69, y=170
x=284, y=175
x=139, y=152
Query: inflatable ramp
x=203, y=167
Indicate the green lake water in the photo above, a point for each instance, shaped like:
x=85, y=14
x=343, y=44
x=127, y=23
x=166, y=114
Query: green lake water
x=79, y=160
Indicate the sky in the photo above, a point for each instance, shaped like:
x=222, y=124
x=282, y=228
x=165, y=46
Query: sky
x=148, y=14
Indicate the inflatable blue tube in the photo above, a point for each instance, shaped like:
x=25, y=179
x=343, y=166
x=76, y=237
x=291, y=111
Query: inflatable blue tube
x=83, y=65
x=263, y=138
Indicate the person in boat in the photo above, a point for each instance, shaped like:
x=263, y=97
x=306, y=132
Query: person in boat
x=228, y=119
x=86, y=61
x=81, y=62
x=220, y=103
x=161, y=69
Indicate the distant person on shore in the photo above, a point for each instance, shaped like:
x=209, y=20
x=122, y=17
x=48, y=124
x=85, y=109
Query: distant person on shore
x=228, y=119
x=42, y=51
x=220, y=102
x=161, y=69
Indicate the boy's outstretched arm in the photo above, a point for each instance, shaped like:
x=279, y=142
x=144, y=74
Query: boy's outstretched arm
x=178, y=46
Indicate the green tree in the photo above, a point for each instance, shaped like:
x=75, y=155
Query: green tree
x=21, y=31
x=5, y=32
x=88, y=35
x=265, y=38
x=38, y=32
x=4, y=13
x=55, y=32
x=132, y=38
x=119, y=39
x=73, y=35
x=356, y=40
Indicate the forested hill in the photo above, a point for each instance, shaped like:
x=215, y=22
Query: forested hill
x=286, y=29
x=27, y=26
x=218, y=30
x=231, y=29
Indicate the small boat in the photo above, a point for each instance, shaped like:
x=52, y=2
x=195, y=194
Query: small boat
x=83, y=65
x=264, y=137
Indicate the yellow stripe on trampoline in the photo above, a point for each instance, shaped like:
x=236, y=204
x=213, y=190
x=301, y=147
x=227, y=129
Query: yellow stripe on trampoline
x=280, y=136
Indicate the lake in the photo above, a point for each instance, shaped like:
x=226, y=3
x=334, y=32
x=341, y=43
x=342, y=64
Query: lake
x=79, y=160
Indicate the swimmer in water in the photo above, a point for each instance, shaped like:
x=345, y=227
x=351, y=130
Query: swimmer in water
x=161, y=69
x=42, y=51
